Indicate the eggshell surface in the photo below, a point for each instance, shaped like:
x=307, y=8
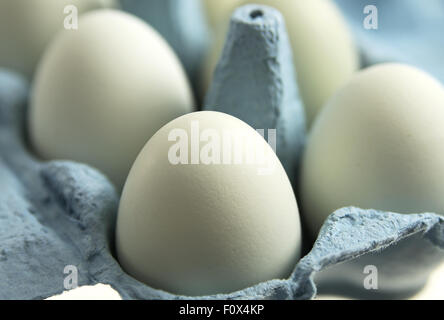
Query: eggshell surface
x=377, y=144
x=218, y=11
x=198, y=229
x=27, y=27
x=103, y=90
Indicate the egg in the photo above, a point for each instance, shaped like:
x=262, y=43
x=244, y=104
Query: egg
x=378, y=144
x=324, y=54
x=203, y=219
x=218, y=11
x=27, y=27
x=103, y=90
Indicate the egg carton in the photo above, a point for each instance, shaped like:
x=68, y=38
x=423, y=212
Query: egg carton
x=61, y=213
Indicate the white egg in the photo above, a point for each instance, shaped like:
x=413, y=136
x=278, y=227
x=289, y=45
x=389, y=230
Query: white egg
x=378, y=143
x=103, y=90
x=207, y=228
x=218, y=11
x=27, y=27
x=324, y=54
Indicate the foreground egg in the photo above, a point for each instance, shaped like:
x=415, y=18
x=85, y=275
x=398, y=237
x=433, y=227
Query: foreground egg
x=378, y=144
x=203, y=222
x=27, y=27
x=324, y=54
x=103, y=90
